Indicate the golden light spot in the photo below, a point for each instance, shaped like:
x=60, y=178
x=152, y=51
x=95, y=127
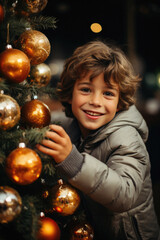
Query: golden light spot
x=96, y=27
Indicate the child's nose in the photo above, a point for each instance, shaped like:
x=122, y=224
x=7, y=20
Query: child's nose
x=95, y=100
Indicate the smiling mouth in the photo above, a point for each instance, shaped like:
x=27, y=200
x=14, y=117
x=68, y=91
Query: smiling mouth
x=95, y=114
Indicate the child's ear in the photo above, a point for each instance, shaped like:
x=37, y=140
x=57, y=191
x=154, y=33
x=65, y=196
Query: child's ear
x=118, y=108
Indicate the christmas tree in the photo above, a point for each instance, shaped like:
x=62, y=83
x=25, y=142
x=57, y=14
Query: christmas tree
x=34, y=201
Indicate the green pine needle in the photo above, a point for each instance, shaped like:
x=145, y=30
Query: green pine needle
x=43, y=22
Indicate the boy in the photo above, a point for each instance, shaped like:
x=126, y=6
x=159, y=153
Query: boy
x=102, y=151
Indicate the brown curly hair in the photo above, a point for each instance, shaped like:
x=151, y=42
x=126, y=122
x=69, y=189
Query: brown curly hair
x=97, y=57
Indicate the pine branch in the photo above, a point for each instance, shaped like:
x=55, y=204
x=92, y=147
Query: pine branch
x=43, y=22
x=20, y=92
x=35, y=135
x=48, y=166
x=29, y=217
x=2, y=157
x=51, y=92
x=16, y=27
x=3, y=85
x=9, y=140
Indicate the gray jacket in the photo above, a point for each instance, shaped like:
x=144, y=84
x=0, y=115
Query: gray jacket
x=112, y=169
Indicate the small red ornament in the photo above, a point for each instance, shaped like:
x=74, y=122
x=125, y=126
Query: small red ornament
x=14, y=65
x=35, y=114
x=49, y=229
x=1, y=13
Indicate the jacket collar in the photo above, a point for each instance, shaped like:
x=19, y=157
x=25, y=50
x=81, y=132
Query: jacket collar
x=130, y=117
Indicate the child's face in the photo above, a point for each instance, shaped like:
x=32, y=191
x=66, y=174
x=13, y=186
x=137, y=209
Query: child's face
x=93, y=102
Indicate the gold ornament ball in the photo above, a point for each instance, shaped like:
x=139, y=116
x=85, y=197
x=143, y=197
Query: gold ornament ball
x=49, y=229
x=82, y=231
x=10, y=204
x=36, y=6
x=23, y=166
x=35, y=45
x=64, y=199
x=35, y=114
x=14, y=65
x=40, y=75
x=9, y=112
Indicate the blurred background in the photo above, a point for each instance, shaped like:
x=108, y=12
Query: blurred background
x=134, y=26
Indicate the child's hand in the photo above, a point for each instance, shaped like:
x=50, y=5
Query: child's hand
x=58, y=145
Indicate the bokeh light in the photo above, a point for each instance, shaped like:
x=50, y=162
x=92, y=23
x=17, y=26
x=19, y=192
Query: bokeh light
x=96, y=27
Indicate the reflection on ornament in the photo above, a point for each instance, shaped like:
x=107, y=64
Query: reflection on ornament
x=64, y=199
x=14, y=65
x=10, y=204
x=35, y=45
x=36, y=6
x=49, y=229
x=45, y=194
x=40, y=75
x=23, y=166
x=1, y=13
x=35, y=114
x=9, y=112
x=82, y=231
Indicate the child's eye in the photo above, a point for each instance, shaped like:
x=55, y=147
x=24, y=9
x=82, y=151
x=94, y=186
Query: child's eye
x=86, y=90
x=108, y=94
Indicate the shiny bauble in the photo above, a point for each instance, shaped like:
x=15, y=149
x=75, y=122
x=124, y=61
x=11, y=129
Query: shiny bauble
x=35, y=6
x=35, y=45
x=23, y=166
x=63, y=199
x=35, y=114
x=14, y=65
x=49, y=229
x=1, y=13
x=82, y=231
x=40, y=75
x=9, y=112
x=10, y=204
